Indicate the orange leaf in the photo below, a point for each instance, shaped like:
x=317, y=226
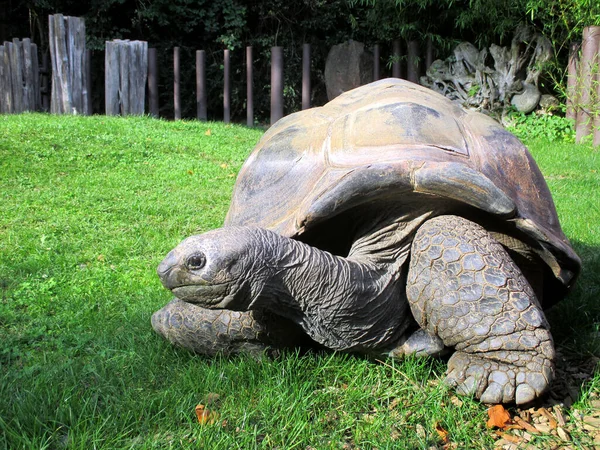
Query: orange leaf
x=205, y=416
x=208, y=133
x=442, y=433
x=498, y=417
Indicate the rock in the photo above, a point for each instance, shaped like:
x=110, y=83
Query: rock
x=527, y=100
x=348, y=66
x=549, y=103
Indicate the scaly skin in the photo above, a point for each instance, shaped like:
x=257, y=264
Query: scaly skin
x=463, y=287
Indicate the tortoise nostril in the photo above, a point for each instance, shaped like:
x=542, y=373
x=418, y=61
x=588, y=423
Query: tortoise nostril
x=167, y=264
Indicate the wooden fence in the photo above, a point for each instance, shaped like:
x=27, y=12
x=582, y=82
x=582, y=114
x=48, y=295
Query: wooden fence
x=131, y=66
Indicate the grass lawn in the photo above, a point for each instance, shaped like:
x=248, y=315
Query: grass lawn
x=88, y=208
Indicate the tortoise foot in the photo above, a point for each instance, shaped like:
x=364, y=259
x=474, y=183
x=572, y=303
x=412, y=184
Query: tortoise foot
x=492, y=379
x=210, y=331
x=464, y=287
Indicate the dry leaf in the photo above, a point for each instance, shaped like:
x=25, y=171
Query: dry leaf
x=442, y=433
x=190, y=172
x=224, y=166
x=498, y=417
x=456, y=401
x=206, y=416
x=208, y=133
x=100, y=258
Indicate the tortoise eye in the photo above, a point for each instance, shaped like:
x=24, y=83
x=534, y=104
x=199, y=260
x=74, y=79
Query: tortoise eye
x=196, y=262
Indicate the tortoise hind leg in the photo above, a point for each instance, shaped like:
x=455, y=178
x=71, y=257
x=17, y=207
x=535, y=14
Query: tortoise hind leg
x=464, y=288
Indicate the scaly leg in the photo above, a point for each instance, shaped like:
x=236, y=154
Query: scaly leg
x=213, y=331
x=463, y=287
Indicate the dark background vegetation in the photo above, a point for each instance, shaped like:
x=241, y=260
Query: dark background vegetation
x=213, y=25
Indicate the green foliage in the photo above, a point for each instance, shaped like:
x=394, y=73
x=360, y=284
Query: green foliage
x=549, y=127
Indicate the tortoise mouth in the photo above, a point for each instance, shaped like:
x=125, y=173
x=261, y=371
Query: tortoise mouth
x=215, y=296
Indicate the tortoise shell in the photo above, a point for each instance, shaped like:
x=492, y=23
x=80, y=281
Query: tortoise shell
x=391, y=140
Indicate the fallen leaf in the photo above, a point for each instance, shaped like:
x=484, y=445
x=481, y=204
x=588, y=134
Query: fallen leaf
x=224, y=166
x=208, y=133
x=190, y=172
x=456, y=401
x=100, y=258
x=498, y=417
x=206, y=416
x=443, y=434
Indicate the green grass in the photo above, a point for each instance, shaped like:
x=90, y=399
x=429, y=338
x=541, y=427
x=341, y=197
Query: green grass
x=88, y=208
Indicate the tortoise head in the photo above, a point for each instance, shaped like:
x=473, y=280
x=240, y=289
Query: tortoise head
x=217, y=269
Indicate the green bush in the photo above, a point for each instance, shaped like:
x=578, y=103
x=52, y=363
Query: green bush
x=544, y=126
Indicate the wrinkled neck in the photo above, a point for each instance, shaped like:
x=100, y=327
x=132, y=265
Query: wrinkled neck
x=345, y=304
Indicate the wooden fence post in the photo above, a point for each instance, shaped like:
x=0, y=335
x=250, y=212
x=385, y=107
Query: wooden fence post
x=67, y=51
x=376, y=62
x=428, y=53
x=572, y=69
x=88, y=81
x=201, y=110
x=5, y=80
x=19, y=77
x=153, y=82
x=306, y=76
x=413, y=66
x=588, y=67
x=176, y=81
x=396, y=54
x=126, y=74
x=276, y=84
x=249, y=88
x=226, y=87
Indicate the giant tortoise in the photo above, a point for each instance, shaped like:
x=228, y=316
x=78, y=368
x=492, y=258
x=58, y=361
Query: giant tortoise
x=390, y=221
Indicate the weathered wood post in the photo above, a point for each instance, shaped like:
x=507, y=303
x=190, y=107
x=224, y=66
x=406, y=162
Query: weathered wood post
x=376, y=62
x=572, y=69
x=6, y=91
x=428, y=53
x=413, y=67
x=176, y=81
x=249, y=88
x=396, y=55
x=306, y=76
x=126, y=69
x=153, y=83
x=226, y=87
x=201, y=110
x=276, y=84
x=67, y=52
x=588, y=67
x=19, y=77
x=88, y=80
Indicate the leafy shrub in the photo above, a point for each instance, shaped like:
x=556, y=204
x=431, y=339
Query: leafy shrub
x=545, y=126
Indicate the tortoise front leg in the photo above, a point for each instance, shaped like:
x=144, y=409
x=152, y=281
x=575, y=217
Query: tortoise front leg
x=222, y=331
x=464, y=288
x=210, y=331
